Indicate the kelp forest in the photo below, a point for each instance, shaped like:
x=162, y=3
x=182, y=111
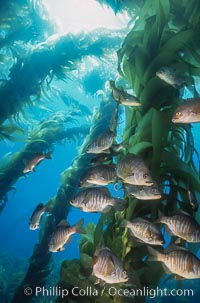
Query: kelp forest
x=139, y=134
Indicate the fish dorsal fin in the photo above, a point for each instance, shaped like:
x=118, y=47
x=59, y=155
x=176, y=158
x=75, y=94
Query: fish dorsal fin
x=63, y=223
x=39, y=206
x=180, y=211
x=139, y=219
x=105, y=191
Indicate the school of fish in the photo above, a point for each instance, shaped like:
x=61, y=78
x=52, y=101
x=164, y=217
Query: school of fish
x=134, y=176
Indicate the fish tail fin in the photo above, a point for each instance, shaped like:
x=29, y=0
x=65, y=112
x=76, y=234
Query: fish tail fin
x=48, y=155
x=124, y=223
x=154, y=254
x=49, y=206
x=161, y=217
x=79, y=228
x=119, y=204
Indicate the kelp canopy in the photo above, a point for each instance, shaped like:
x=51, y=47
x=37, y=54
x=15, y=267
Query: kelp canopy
x=165, y=34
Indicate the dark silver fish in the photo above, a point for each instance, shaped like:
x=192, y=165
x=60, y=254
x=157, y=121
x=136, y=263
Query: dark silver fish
x=99, y=175
x=31, y=164
x=168, y=75
x=96, y=200
x=183, y=225
x=37, y=214
x=179, y=262
x=102, y=143
x=132, y=170
x=123, y=97
x=145, y=231
x=188, y=112
x=107, y=267
x=143, y=192
x=62, y=235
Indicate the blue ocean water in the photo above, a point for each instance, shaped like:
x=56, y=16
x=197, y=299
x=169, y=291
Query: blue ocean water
x=39, y=186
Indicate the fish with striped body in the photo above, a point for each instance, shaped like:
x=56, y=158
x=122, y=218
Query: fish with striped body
x=99, y=175
x=168, y=75
x=182, y=225
x=132, y=170
x=102, y=143
x=107, y=267
x=96, y=200
x=123, y=97
x=37, y=214
x=143, y=192
x=188, y=112
x=36, y=159
x=180, y=262
x=144, y=231
x=63, y=235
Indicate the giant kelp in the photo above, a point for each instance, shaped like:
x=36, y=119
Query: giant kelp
x=55, y=57
x=158, y=40
x=57, y=128
x=163, y=36
x=39, y=267
x=23, y=21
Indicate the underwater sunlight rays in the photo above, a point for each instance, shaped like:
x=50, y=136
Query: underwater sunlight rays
x=74, y=16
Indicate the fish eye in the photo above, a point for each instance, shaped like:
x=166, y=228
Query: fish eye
x=178, y=114
x=145, y=176
x=154, y=190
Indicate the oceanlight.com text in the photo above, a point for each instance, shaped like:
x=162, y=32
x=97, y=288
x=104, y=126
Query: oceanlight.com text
x=57, y=291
